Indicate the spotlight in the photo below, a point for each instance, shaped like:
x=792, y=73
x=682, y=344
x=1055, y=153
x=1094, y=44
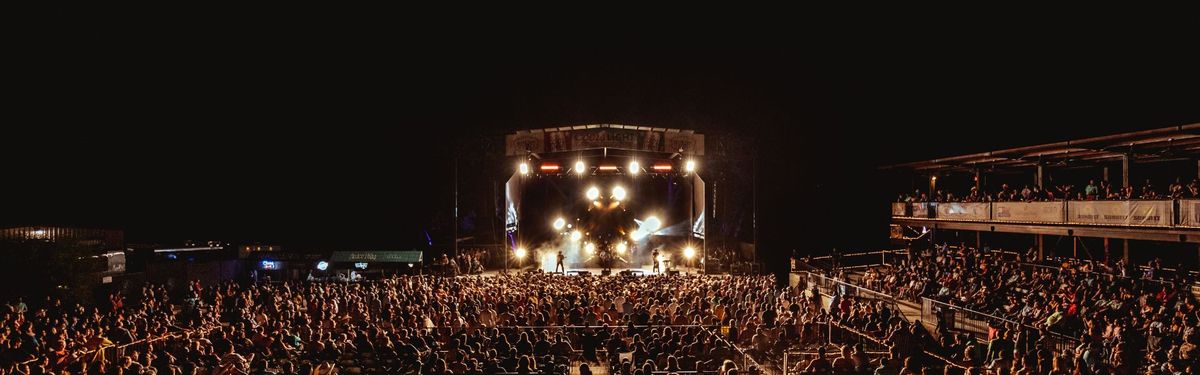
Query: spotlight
x=638, y=235
x=621, y=248
x=576, y=236
x=652, y=223
x=579, y=167
x=589, y=247
x=593, y=193
x=519, y=252
x=322, y=265
x=618, y=193
x=690, y=166
x=634, y=167
x=689, y=252
x=559, y=223
x=523, y=168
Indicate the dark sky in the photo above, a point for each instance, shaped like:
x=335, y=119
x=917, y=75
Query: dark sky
x=350, y=149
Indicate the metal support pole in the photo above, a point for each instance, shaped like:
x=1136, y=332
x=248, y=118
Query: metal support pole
x=1126, y=255
x=1075, y=247
x=1125, y=159
x=1039, y=175
x=1041, y=247
x=978, y=240
x=1106, y=174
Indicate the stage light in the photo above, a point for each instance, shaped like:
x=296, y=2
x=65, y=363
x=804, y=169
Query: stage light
x=662, y=167
x=608, y=168
x=322, y=265
x=579, y=167
x=576, y=236
x=618, y=193
x=634, y=167
x=549, y=167
x=652, y=223
x=523, y=168
x=519, y=252
x=638, y=235
x=589, y=247
x=559, y=223
x=690, y=166
x=593, y=193
x=621, y=247
x=689, y=252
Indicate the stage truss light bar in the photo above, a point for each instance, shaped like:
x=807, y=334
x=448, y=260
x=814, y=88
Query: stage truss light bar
x=662, y=167
x=547, y=167
x=608, y=168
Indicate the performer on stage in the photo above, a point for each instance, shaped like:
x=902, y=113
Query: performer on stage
x=560, y=263
x=654, y=258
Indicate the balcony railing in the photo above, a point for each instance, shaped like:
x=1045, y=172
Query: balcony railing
x=1177, y=213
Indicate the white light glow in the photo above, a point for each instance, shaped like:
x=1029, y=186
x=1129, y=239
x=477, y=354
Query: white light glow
x=618, y=193
x=621, y=247
x=634, y=167
x=690, y=166
x=519, y=252
x=580, y=167
x=559, y=223
x=523, y=168
x=322, y=265
x=589, y=247
x=593, y=193
x=689, y=252
x=652, y=223
x=576, y=236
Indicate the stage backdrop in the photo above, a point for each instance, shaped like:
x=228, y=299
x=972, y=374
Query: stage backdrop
x=1144, y=213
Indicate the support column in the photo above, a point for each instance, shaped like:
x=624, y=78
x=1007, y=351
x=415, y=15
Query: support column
x=979, y=180
x=1039, y=175
x=1125, y=256
x=1125, y=170
x=1075, y=247
x=1041, y=249
x=978, y=240
x=1106, y=174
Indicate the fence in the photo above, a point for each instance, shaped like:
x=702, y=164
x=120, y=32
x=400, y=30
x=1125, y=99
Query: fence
x=1129, y=213
x=978, y=324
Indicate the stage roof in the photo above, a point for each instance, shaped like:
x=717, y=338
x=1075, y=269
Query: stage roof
x=1170, y=143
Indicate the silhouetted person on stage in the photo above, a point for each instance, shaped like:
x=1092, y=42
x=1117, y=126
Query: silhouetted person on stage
x=560, y=263
x=654, y=259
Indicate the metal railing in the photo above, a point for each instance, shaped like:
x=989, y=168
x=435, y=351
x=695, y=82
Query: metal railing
x=979, y=324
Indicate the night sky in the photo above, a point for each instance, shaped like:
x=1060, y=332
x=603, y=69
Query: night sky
x=353, y=150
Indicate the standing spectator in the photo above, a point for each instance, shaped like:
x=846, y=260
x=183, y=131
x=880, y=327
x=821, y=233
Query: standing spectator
x=1091, y=191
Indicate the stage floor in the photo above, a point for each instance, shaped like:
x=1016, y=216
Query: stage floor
x=645, y=270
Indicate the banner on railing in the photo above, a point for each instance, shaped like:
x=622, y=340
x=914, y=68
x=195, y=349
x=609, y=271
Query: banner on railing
x=921, y=209
x=964, y=211
x=1143, y=213
x=899, y=209
x=1038, y=212
x=1189, y=212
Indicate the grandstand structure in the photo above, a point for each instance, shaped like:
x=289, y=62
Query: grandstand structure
x=1132, y=159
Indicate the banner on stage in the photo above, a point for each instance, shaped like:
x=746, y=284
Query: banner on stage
x=603, y=136
x=1141, y=213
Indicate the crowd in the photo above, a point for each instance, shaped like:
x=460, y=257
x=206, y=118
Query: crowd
x=1121, y=324
x=528, y=323
x=1092, y=191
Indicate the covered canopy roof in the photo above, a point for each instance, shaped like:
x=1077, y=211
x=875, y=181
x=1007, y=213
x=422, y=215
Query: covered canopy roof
x=1160, y=144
